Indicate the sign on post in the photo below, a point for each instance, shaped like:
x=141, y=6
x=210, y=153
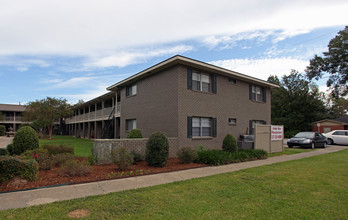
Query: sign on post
x=276, y=133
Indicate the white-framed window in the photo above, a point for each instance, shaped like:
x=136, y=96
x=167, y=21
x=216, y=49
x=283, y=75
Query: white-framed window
x=201, y=81
x=131, y=124
x=257, y=93
x=131, y=90
x=201, y=127
x=232, y=121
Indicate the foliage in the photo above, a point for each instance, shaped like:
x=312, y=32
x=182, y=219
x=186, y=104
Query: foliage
x=229, y=143
x=74, y=168
x=135, y=133
x=296, y=103
x=137, y=156
x=3, y=152
x=9, y=149
x=58, y=149
x=47, y=111
x=339, y=108
x=335, y=63
x=218, y=157
x=41, y=156
x=120, y=174
x=23, y=125
x=157, y=150
x=59, y=159
x=187, y=154
x=25, y=138
x=122, y=158
x=2, y=130
x=92, y=159
x=12, y=166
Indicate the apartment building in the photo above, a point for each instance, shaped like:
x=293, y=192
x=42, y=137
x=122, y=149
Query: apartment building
x=196, y=102
x=12, y=116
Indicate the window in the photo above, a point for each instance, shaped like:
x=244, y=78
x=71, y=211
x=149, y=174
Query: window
x=341, y=133
x=253, y=123
x=232, y=81
x=131, y=90
x=131, y=124
x=201, y=127
x=257, y=93
x=200, y=81
x=232, y=121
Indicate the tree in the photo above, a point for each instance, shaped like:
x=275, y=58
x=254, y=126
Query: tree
x=335, y=63
x=296, y=103
x=339, y=107
x=47, y=111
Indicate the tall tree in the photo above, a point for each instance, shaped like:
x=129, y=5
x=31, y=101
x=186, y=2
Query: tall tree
x=296, y=103
x=48, y=111
x=335, y=63
x=338, y=108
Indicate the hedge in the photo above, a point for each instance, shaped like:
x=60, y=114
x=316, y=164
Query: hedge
x=12, y=166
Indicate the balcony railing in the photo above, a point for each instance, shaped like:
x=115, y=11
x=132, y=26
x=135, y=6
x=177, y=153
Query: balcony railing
x=99, y=114
x=12, y=119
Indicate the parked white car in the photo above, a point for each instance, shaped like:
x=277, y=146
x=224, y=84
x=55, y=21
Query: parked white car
x=337, y=137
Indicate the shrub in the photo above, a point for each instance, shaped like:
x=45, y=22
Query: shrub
x=26, y=138
x=135, y=133
x=9, y=149
x=74, y=168
x=41, y=156
x=2, y=130
x=137, y=156
x=157, y=150
x=229, y=143
x=122, y=158
x=3, y=152
x=92, y=159
x=187, y=154
x=13, y=166
x=58, y=149
x=59, y=159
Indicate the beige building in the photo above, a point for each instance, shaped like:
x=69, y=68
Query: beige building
x=196, y=102
x=12, y=116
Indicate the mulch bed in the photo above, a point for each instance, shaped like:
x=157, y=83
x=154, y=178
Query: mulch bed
x=98, y=173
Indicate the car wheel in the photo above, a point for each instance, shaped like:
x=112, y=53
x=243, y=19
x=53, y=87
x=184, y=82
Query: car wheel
x=329, y=141
x=324, y=146
x=313, y=145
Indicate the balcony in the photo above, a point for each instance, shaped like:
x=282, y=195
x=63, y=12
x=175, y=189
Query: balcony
x=95, y=115
x=11, y=119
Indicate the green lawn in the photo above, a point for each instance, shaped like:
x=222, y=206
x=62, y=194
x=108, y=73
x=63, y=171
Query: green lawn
x=288, y=151
x=82, y=147
x=310, y=188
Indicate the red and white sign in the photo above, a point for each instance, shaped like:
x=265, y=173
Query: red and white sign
x=276, y=133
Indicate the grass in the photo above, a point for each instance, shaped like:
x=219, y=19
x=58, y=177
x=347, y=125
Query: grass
x=82, y=147
x=288, y=151
x=310, y=188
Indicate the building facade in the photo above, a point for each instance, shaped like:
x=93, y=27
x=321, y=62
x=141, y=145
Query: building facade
x=13, y=115
x=328, y=125
x=196, y=102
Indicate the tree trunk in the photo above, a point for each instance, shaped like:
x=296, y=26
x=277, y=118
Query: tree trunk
x=50, y=131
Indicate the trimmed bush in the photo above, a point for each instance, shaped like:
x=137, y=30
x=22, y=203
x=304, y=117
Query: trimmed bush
x=25, y=139
x=41, y=156
x=9, y=149
x=218, y=157
x=12, y=166
x=229, y=143
x=187, y=154
x=2, y=130
x=59, y=159
x=122, y=158
x=3, y=152
x=157, y=150
x=58, y=149
x=75, y=168
x=137, y=156
x=135, y=133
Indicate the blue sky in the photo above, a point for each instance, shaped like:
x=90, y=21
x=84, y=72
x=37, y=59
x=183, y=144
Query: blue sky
x=75, y=49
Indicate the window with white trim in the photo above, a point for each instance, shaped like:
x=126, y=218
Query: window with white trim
x=257, y=93
x=131, y=90
x=201, y=127
x=200, y=81
x=131, y=124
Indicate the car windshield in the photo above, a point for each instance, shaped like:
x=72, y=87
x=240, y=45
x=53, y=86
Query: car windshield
x=304, y=135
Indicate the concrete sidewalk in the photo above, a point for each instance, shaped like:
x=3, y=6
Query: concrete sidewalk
x=4, y=141
x=48, y=195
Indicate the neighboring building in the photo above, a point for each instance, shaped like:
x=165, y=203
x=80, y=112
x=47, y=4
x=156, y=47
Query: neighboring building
x=196, y=102
x=327, y=125
x=12, y=115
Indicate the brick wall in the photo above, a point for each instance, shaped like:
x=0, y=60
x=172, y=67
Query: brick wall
x=102, y=147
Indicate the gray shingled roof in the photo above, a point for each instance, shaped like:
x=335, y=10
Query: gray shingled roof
x=12, y=108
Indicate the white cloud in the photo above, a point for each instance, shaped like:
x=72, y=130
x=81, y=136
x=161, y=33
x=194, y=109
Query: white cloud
x=123, y=59
x=22, y=69
x=86, y=95
x=88, y=27
x=263, y=68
